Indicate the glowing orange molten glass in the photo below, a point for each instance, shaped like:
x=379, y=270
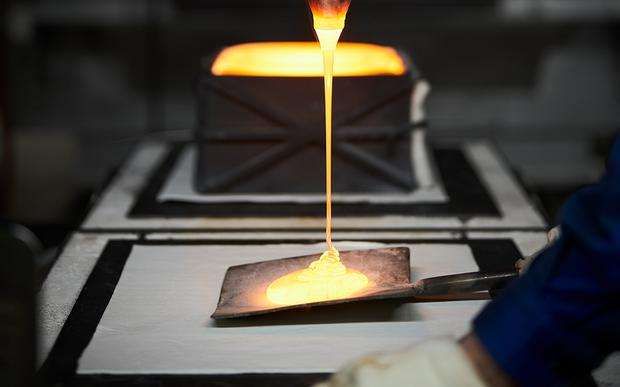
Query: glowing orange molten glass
x=325, y=279
x=329, y=14
x=304, y=59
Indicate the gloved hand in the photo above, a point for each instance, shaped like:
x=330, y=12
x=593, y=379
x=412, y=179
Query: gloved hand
x=560, y=319
x=433, y=363
x=522, y=264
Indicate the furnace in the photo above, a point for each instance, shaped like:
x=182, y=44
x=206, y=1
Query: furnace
x=263, y=102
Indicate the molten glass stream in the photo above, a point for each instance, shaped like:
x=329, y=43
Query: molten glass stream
x=328, y=17
x=328, y=40
x=326, y=278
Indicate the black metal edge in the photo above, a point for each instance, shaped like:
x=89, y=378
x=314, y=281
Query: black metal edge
x=531, y=196
x=82, y=321
x=220, y=380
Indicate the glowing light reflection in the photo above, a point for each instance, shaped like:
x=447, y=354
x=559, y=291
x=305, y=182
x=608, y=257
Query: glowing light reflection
x=325, y=279
x=304, y=59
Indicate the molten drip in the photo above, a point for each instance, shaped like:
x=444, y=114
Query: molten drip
x=329, y=14
x=326, y=278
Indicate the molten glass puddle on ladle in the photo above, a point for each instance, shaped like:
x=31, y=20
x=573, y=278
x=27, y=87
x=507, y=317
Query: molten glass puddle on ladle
x=325, y=279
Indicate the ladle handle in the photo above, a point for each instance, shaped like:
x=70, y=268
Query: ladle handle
x=462, y=283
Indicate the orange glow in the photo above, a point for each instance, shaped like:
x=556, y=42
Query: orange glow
x=325, y=279
x=304, y=59
x=329, y=14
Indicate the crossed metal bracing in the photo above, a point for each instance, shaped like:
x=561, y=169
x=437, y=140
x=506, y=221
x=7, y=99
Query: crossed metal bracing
x=293, y=135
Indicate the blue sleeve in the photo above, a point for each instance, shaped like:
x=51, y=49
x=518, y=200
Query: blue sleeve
x=562, y=317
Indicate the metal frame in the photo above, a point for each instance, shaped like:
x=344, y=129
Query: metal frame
x=292, y=136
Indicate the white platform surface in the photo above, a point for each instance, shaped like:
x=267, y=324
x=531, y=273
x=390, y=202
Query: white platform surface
x=137, y=340
x=64, y=283
x=158, y=318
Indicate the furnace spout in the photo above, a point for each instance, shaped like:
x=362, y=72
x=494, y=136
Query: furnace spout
x=329, y=14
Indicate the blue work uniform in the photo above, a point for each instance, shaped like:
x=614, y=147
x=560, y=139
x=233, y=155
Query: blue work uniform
x=561, y=319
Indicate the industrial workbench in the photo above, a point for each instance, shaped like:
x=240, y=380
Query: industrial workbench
x=129, y=297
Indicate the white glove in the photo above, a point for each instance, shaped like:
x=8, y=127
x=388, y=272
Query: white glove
x=433, y=363
x=552, y=236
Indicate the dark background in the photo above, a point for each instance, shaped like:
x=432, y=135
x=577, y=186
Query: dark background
x=83, y=80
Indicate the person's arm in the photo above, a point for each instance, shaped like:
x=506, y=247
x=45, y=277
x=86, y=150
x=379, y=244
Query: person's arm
x=487, y=369
x=561, y=319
